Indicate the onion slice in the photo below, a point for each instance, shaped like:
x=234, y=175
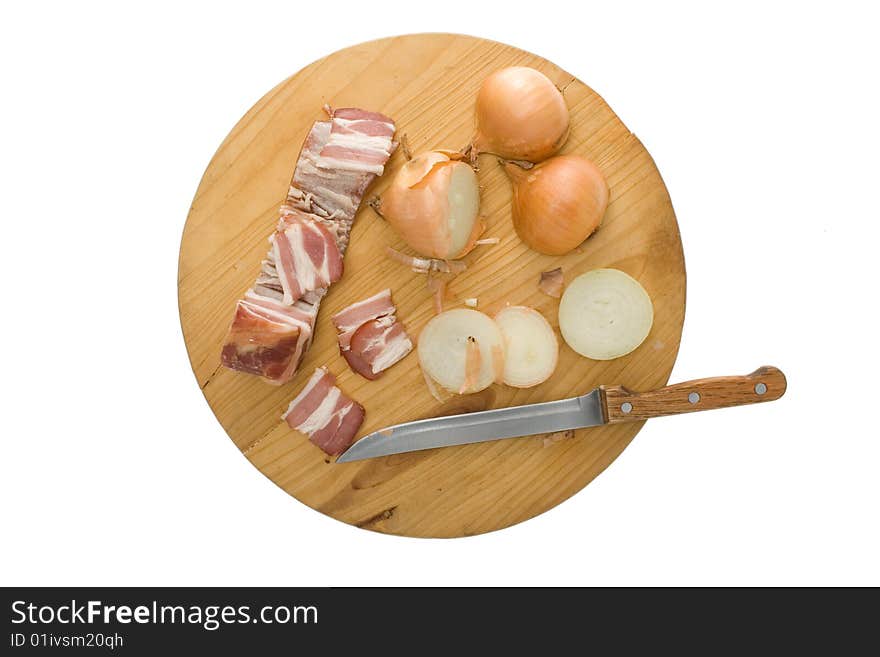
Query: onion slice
x=530, y=346
x=448, y=348
x=440, y=395
x=605, y=314
x=551, y=283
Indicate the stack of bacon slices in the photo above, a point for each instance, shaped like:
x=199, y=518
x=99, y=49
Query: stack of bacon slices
x=370, y=337
x=325, y=414
x=273, y=324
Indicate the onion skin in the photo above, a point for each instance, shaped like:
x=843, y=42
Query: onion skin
x=416, y=204
x=473, y=364
x=521, y=115
x=551, y=282
x=557, y=204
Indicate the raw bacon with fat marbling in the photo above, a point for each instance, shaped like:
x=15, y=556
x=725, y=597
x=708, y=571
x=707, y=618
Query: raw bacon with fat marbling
x=370, y=338
x=267, y=338
x=322, y=200
x=306, y=258
x=325, y=414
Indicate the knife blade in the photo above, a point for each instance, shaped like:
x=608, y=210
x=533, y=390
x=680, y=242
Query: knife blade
x=585, y=411
x=605, y=404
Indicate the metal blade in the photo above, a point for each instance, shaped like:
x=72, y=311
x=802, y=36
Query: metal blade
x=574, y=413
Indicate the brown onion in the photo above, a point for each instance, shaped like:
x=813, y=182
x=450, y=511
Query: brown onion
x=557, y=204
x=521, y=115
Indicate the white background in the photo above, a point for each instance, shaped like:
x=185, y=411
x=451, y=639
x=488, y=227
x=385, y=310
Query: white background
x=763, y=120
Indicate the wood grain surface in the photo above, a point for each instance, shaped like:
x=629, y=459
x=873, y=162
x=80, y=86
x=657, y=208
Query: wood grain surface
x=764, y=384
x=427, y=83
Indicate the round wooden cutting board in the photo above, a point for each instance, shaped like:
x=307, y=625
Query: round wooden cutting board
x=427, y=83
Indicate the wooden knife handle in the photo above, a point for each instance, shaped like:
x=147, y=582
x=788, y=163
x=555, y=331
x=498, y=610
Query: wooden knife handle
x=763, y=385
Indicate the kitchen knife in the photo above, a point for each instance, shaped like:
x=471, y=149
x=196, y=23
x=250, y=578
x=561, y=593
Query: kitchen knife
x=604, y=405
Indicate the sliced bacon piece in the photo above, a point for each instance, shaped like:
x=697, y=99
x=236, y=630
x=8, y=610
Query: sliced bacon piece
x=355, y=113
x=338, y=228
x=324, y=190
x=306, y=258
x=358, y=364
x=365, y=127
x=349, y=158
x=378, y=344
x=309, y=398
x=370, y=338
x=325, y=414
x=264, y=343
x=349, y=319
x=359, y=141
x=331, y=184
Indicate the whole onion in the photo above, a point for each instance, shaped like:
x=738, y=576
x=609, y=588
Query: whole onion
x=557, y=204
x=521, y=115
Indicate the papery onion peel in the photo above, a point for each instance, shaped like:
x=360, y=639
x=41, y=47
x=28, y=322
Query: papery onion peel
x=433, y=203
x=426, y=265
x=551, y=282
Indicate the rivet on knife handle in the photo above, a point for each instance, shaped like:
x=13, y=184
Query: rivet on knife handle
x=623, y=405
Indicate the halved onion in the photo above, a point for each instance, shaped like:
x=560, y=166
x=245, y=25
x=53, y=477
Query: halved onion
x=433, y=203
x=605, y=314
x=530, y=344
x=459, y=349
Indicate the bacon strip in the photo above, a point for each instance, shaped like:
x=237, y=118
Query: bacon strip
x=306, y=257
x=324, y=413
x=267, y=339
x=338, y=161
x=349, y=319
x=370, y=338
x=367, y=127
x=380, y=343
